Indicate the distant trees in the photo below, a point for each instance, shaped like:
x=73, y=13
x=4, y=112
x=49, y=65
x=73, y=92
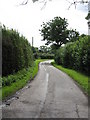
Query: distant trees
x=43, y=52
x=16, y=52
x=55, y=32
x=45, y=49
x=35, y=52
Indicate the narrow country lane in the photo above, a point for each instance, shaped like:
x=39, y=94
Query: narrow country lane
x=52, y=94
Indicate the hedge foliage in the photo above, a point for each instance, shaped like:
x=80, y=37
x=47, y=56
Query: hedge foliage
x=17, y=53
x=45, y=55
x=75, y=55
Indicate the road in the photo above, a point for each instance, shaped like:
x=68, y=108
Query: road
x=52, y=94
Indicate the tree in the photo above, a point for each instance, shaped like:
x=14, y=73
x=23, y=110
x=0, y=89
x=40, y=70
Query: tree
x=55, y=31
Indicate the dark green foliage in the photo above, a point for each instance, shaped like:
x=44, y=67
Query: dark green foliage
x=35, y=52
x=17, y=52
x=55, y=32
x=88, y=16
x=75, y=55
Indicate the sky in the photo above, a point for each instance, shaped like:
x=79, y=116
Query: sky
x=27, y=19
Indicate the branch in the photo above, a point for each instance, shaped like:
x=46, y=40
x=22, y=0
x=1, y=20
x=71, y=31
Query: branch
x=24, y=2
x=76, y=2
x=44, y=5
x=42, y=1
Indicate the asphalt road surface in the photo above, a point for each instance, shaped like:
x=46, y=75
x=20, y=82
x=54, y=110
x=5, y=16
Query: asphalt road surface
x=52, y=94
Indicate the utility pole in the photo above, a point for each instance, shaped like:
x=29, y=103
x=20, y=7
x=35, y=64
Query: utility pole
x=32, y=41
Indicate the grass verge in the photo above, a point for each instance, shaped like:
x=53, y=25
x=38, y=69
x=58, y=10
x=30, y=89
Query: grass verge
x=81, y=79
x=22, y=77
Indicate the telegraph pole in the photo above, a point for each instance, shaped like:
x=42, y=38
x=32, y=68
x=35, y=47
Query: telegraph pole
x=32, y=41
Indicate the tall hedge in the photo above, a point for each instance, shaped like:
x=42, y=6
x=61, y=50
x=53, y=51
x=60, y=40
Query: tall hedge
x=16, y=52
x=75, y=55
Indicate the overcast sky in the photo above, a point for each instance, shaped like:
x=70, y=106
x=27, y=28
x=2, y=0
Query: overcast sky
x=27, y=19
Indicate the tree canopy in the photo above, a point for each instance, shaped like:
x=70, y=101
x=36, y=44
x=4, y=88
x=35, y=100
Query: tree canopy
x=55, y=32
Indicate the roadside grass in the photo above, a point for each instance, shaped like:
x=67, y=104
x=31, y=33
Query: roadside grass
x=22, y=77
x=81, y=79
x=0, y=94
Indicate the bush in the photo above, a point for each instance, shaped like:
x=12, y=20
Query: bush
x=75, y=55
x=45, y=55
x=7, y=81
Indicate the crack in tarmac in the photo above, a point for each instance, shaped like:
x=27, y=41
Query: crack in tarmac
x=77, y=111
x=47, y=78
